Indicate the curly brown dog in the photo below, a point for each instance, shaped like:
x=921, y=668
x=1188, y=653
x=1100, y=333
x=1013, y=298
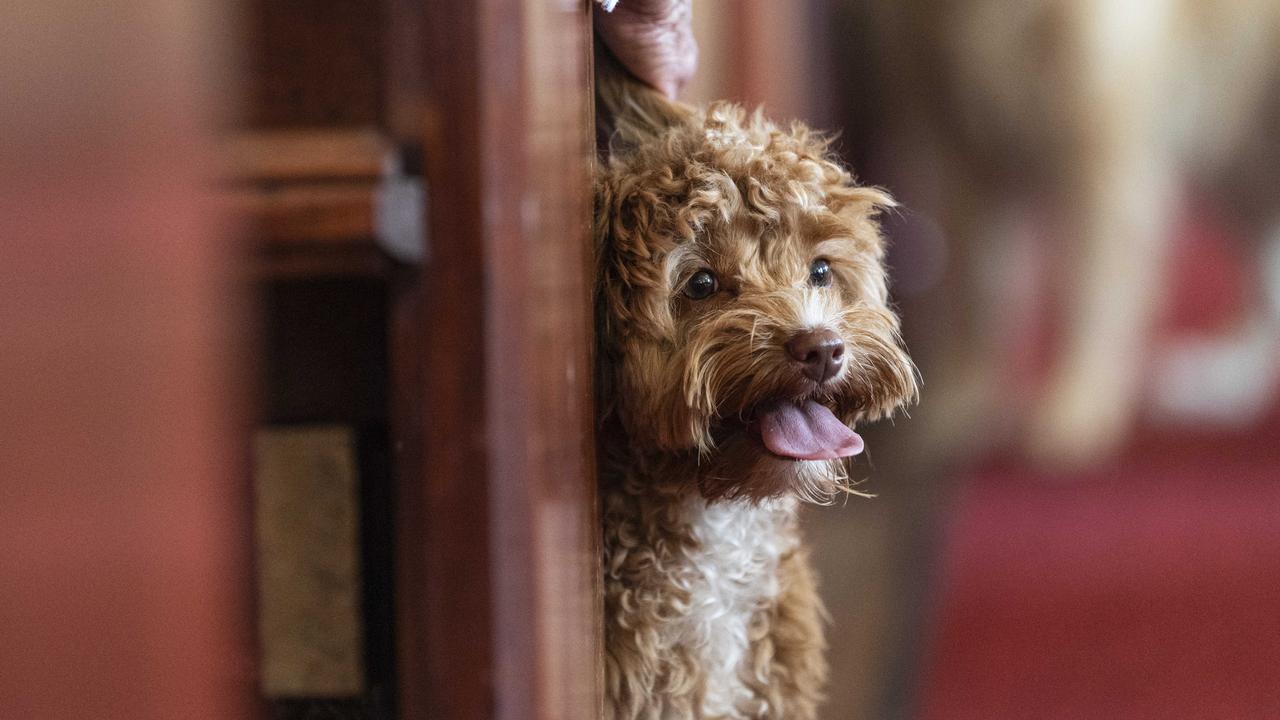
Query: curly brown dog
x=745, y=328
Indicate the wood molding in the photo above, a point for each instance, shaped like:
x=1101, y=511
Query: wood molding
x=308, y=154
x=310, y=198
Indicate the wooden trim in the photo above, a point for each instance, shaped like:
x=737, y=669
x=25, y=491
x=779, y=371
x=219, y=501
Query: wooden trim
x=310, y=199
x=308, y=154
x=325, y=214
x=497, y=530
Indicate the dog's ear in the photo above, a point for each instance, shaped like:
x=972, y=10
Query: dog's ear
x=860, y=200
x=628, y=112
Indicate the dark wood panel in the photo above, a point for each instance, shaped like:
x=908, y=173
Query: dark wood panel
x=497, y=540
x=324, y=351
x=405, y=88
x=314, y=62
x=325, y=359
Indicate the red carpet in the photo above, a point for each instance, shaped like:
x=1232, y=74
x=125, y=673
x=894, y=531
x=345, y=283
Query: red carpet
x=1148, y=591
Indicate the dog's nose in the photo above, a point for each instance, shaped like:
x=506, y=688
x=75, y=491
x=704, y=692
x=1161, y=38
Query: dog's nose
x=819, y=352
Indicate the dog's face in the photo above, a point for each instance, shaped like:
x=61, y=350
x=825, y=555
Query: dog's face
x=744, y=304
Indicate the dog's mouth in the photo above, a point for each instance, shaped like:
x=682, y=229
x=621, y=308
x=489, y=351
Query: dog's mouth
x=803, y=430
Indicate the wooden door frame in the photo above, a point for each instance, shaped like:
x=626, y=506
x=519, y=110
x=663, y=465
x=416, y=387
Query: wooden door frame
x=499, y=611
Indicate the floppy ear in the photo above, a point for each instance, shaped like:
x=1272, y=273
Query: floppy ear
x=627, y=111
x=858, y=201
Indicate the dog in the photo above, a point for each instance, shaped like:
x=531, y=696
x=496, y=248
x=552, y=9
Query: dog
x=1092, y=114
x=745, y=328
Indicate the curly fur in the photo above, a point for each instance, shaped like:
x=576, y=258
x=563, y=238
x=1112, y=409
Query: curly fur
x=711, y=607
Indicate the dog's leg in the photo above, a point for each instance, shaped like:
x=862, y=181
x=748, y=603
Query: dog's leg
x=1114, y=264
x=1114, y=197
x=790, y=649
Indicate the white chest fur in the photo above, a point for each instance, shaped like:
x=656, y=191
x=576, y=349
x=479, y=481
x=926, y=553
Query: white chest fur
x=731, y=575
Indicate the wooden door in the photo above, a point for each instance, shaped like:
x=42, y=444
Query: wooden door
x=499, y=610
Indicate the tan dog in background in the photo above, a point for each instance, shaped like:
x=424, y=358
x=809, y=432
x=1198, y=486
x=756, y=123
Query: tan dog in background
x=1096, y=112
x=745, y=328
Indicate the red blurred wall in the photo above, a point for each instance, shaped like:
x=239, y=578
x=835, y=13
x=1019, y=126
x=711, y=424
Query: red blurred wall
x=123, y=503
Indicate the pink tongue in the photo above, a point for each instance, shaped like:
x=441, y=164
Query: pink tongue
x=806, y=432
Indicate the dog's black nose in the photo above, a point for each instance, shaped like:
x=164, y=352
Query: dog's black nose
x=819, y=352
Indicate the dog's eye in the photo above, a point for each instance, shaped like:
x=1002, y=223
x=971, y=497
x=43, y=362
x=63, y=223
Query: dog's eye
x=701, y=286
x=820, y=273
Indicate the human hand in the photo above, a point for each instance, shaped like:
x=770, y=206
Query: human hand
x=653, y=39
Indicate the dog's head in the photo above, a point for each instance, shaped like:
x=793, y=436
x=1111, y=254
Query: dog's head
x=742, y=299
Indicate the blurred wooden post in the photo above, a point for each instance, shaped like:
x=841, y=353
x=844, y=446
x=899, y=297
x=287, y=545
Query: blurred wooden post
x=497, y=535
x=124, y=504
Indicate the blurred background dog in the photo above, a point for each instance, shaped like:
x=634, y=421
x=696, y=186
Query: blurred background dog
x=1066, y=140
